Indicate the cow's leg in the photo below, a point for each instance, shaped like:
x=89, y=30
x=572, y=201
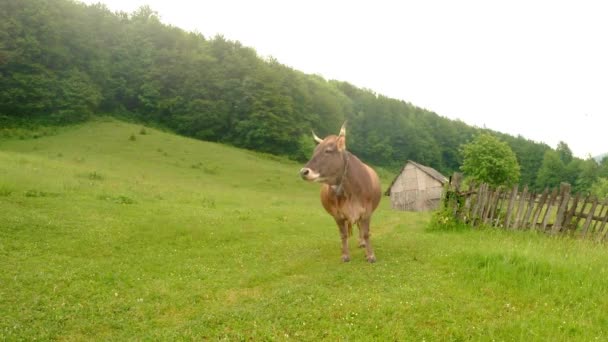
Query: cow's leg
x=343, y=226
x=369, y=252
x=361, y=240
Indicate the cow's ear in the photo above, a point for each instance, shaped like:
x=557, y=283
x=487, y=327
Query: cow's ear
x=341, y=143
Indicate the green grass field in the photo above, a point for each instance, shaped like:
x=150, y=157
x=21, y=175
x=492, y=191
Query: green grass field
x=166, y=238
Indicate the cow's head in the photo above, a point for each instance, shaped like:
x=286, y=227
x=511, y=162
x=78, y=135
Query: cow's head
x=328, y=160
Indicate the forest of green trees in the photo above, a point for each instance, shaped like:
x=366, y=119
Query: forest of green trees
x=62, y=62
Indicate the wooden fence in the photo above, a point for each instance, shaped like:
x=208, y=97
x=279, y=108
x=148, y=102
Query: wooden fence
x=554, y=211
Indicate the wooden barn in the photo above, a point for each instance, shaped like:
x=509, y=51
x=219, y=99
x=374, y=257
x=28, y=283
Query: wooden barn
x=416, y=188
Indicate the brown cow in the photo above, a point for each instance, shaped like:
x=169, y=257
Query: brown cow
x=350, y=191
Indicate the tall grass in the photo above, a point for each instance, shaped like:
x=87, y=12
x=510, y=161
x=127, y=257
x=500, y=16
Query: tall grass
x=138, y=240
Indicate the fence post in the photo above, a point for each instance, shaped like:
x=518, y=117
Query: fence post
x=565, y=198
x=456, y=180
x=495, y=207
x=539, y=208
x=482, y=205
x=520, y=208
x=579, y=216
x=468, y=202
x=531, y=202
x=491, y=207
x=487, y=193
x=568, y=220
x=600, y=231
x=549, y=209
x=595, y=226
x=510, y=208
x=478, y=203
x=589, y=217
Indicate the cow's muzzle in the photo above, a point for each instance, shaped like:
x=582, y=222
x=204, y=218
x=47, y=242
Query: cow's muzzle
x=309, y=175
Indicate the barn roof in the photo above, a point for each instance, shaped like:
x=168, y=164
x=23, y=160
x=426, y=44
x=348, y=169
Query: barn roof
x=427, y=169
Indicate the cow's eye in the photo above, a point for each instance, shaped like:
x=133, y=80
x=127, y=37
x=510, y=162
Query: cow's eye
x=329, y=150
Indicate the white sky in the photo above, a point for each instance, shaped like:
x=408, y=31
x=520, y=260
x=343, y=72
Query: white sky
x=534, y=68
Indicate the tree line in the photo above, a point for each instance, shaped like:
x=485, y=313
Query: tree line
x=489, y=160
x=62, y=62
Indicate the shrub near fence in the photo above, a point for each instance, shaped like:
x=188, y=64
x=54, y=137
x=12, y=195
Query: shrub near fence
x=554, y=211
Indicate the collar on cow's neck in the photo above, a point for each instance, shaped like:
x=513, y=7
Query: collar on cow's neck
x=339, y=188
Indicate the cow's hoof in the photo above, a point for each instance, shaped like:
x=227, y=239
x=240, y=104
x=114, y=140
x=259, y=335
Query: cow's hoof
x=345, y=258
x=371, y=259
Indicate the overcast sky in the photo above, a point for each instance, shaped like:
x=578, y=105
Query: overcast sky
x=533, y=68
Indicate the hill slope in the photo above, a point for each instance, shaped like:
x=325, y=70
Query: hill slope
x=62, y=61
x=165, y=238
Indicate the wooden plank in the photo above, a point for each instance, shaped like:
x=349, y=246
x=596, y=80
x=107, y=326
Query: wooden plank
x=526, y=219
x=597, y=219
x=561, y=209
x=599, y=224
x=548, y=211
x=579, y=211
x=567, y=225
x=483, y=193
x=488, y=206
x=486, y=209
x=477, y=203
x=589, y=218
x=466, y=213
x=512, y=198
x=484, y=203
x=500, y=201
x=539, y=207
x=584, y=216
x=454, y=201
x=492, y=209
x=453, y=193
x=604, y=220
x=493, y=202
x=520, y=208
x=484, y=206
x=456, y=181
x=474, y=203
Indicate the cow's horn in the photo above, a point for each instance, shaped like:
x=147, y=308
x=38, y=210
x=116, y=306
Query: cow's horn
x=343, y=129
x=317, y=139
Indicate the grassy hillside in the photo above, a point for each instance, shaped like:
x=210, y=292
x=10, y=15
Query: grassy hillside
x=164, y=237
x=62, y=61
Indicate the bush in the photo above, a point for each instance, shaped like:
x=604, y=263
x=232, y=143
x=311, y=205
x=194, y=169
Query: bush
x=487, y=159
x=444, y=219
x=600, y=188
x=24, y=133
